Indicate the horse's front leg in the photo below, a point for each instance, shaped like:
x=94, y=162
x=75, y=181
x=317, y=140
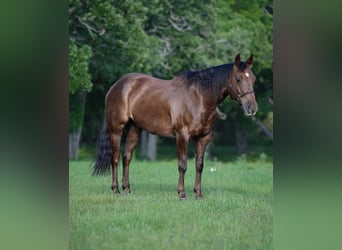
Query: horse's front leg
x=201, y=145
x=182, y=142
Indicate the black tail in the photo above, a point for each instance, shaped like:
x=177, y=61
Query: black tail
x=104, y=154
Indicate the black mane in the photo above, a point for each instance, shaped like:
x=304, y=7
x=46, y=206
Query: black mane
x=209, y=80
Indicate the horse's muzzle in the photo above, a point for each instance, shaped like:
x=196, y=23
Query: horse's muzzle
x=250, y=109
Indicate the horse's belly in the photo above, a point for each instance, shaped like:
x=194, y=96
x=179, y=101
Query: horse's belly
x=154, y=122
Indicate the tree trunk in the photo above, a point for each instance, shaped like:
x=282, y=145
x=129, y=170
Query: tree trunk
x=143, y=143
x=75, y=126
x=152, y=147
x=74, y=142
x=148, y=145
x=241, y=140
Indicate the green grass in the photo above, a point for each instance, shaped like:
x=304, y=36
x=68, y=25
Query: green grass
x=236, y=212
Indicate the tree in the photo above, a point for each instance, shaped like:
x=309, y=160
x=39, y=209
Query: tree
x=79, y=84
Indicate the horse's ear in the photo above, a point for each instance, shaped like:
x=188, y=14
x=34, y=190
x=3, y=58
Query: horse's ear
x=237, y=60
x=250, y=61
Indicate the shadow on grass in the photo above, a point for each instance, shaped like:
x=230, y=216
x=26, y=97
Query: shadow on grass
x=168, y=189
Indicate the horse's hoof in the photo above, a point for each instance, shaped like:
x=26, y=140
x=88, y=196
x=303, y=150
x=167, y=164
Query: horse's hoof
x=115, y=190
x=198, y=193
x=182, y=196
x=127, y=191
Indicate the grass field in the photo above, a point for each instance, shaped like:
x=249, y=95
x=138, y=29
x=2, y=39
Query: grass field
x=236, y=212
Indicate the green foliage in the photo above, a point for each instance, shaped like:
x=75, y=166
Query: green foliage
x=79, y=77
x=114, y=30
x=236, y=212
x=182, y=28
x=79, y=82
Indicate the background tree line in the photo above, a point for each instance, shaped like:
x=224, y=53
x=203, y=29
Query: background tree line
x=109, y=38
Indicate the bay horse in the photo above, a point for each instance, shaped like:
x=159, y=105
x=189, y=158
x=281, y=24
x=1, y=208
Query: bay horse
x=183, y=108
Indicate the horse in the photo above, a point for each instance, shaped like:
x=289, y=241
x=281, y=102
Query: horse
x=183, y=108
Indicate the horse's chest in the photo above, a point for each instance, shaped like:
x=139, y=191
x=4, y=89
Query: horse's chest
x=203, y=124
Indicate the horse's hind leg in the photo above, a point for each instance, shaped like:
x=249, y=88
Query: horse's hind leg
x=115, y=140
x=130, y=145
x=115, y=127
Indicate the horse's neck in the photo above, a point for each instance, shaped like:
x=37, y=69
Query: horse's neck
x=223, y=95
x=212, y=102
x=224, y=91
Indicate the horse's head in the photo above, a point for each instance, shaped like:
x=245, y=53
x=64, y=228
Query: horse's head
x=241, y=85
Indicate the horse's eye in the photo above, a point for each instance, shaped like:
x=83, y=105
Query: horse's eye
x=238, y=79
